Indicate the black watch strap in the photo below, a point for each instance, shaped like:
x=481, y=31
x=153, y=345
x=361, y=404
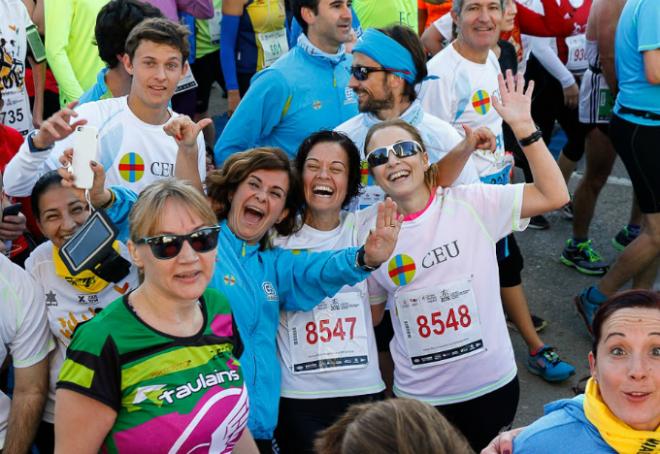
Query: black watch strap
x=530, y=139
x=359, y=261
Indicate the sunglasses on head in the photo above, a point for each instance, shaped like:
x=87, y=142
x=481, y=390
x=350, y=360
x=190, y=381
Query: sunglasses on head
x=361, y=73
x=403, y=149
x=168, y=246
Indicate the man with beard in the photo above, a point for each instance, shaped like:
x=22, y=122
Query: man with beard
x=387, y=64
x=302, y=92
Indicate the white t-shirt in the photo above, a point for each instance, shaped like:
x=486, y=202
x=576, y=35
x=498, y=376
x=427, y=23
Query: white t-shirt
x=439, y=139
x=442, y=289
x=14, y=20
x=23, y=328
x=66, y=306
x=462, y=94
x=132, y=152
x=329, y=351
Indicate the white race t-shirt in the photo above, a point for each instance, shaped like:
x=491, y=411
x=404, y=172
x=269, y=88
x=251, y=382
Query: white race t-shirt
x=14, y=20
x=439, y=139
x=442, y=289
x=462, y=94
x=132, y=152
x=329, y=351
x=23, y=328
x=66, y=306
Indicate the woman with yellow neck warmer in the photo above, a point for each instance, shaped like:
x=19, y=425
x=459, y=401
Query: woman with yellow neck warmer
x=60, y=211
x=620, y=410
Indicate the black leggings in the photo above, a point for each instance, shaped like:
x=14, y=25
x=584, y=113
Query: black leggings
x=481, y=419
x=300, y=420
x=548, y=106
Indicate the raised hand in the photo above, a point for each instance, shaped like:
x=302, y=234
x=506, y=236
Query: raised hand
x=515, y=103
x=481, y=138
x=57, y=127
x=98, y=195
x=382, y=240
x=185, y=131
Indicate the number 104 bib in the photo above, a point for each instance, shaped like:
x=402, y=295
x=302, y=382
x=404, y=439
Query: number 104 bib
x=332, y=336
x=440, y=324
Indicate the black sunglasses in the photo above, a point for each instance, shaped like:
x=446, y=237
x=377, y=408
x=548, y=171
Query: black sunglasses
x=361, y=73
x=168, y=246
x=403, y=149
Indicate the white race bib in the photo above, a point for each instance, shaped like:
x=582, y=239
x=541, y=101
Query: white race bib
x=16, y=111
x=187, y=83
x=214, y=27
x=332, y=336
x=274, y=45
x=577, y=54
x=370, y=195
x=440, y=324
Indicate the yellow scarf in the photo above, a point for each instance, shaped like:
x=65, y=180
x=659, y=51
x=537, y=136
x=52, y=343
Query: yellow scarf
x=85, y=281
x=616, y=433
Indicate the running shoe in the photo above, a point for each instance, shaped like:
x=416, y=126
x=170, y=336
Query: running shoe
x=547, y=364
x=539, y=223
x=539, y=323
x=583, y=258
x=623, y=239
x=586, y=308
x=567, y=210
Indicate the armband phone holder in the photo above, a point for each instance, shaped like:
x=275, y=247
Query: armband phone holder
x=90, y=248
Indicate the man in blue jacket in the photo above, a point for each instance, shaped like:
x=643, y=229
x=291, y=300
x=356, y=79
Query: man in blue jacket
x=304, y=91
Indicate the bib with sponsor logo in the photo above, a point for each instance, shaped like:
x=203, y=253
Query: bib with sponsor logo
x=440, y=324
x=332, y=336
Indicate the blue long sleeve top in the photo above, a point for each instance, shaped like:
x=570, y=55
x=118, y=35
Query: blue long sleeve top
x=304, y=91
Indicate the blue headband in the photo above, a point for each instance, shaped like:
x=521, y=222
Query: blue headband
x=388, y=52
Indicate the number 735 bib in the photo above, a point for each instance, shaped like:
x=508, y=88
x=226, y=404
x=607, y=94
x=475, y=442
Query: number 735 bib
x=440, y=324
x=332, y=336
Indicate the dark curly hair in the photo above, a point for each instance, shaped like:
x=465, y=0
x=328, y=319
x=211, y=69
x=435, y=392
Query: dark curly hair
x=222, y=183
x=352, y=153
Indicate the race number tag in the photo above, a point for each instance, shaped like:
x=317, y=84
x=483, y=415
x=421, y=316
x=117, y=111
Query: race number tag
x=371, y=195
x=16, y=111
x=332, y=336
x=440, y=324
x=605, y=104
x=214, y=27
x=274, y=45
x=577, y=54
x=187, y=83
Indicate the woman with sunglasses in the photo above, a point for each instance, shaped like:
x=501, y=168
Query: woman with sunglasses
x=70, y=299
x=451, y=347
x=254, y=193
x=157, y=370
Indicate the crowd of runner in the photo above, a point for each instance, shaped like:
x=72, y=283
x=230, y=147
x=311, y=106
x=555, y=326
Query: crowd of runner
x=330, y=265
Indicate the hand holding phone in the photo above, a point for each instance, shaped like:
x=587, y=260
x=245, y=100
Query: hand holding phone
x=85, y=143
x=12, y=210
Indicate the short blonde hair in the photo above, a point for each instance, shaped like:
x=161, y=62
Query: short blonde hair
x=393, y=426
x=147, y=213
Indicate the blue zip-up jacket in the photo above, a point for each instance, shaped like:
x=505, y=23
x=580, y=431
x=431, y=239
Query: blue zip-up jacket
x=564, y=427
x=304, y=91
x=258, y=283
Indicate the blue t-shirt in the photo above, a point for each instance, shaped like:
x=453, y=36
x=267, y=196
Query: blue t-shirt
x=638, y=31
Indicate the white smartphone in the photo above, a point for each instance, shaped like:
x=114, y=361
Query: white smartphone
x=85, y=149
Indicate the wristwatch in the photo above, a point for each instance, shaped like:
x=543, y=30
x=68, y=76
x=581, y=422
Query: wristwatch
x=530, y=139
x=32, y=147
x=359, y=261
